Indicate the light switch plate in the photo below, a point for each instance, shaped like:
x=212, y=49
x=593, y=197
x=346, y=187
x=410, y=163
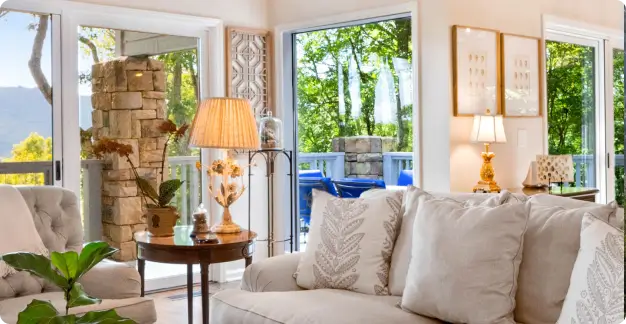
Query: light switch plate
x=522, y=138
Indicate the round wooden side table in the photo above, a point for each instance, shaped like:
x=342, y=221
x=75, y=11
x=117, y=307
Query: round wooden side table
x=181, y=249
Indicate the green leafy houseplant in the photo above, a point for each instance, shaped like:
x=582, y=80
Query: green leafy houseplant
x=162, y=216
x=64, y=270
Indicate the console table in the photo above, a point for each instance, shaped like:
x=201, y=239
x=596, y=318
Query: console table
x=585, y=194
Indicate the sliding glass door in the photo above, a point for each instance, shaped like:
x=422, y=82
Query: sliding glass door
x=30, y=130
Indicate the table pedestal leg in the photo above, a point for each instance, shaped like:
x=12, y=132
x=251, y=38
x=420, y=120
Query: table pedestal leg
x=248, y=261
x=141, y=268
x=190, y=293
x=204, y=283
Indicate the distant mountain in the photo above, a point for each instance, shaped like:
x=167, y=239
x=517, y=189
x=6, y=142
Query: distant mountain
x=24, y=111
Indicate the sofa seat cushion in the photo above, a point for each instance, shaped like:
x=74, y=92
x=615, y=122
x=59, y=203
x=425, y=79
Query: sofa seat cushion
x=141, y=310
x=321, y=306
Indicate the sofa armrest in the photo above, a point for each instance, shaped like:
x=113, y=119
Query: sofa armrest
x=112, y=280
x=273, y=274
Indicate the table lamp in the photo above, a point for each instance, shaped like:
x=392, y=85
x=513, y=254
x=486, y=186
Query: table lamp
x=487, y=129
x=225, y=123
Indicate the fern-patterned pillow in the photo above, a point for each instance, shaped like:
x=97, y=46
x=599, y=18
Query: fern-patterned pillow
x=596, y=291
x=350, y=243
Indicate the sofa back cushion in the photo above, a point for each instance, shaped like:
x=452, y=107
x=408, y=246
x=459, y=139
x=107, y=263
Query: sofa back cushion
x=551, y=246
x=57, y=219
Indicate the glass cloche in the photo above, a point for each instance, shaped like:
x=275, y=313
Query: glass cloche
x=271, y=132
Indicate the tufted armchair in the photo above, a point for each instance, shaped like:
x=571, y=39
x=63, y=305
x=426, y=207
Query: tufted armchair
x=58, y=221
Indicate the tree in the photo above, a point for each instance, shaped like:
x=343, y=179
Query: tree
x=34, y=148
x=318, y=68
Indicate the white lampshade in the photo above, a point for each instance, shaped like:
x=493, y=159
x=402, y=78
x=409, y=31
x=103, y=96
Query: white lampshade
x=488, y=129
x=226, y=123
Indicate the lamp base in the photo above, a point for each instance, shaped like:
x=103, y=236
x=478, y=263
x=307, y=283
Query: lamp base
x=227, y=226
x=488, y=186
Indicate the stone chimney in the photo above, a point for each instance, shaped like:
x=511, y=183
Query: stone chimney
x=129, y=104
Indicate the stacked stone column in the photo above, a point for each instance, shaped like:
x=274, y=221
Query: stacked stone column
x=364, y=155
x=128, y=106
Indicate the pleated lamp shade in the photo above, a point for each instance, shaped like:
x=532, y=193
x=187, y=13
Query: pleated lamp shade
x=226, y=123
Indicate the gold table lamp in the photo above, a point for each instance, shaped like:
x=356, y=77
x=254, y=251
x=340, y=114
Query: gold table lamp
x=487, y=129
x=225, y=123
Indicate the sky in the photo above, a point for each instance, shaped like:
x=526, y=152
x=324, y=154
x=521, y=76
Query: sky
x=14, y=71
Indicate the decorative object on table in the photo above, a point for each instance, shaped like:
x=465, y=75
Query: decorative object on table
x=271, y=132
x=476, y=70
x=521, y=76
x=64, y=270
x=487, y=129
x=270, y=156
x=201, y=231
x=225, y=123
x=555, y=169
x=162, y=217
x=532, y=177
x=248, y=67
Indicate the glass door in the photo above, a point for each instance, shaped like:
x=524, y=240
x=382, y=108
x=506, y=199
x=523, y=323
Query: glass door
x=575, y=107
x=618, y=126
x=30, y=126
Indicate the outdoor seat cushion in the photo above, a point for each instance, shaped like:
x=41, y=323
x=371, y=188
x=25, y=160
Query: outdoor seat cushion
x=320, y=306
x=141, y=310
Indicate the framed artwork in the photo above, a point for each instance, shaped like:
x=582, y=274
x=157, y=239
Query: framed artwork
x=521, y=76
x=476, y=71
x=555, y=168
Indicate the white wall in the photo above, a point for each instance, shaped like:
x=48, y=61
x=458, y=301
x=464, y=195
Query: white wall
x=240, y=13
x=441, y=131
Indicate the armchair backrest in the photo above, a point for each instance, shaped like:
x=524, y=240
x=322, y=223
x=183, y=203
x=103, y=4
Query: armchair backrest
x=57, y=217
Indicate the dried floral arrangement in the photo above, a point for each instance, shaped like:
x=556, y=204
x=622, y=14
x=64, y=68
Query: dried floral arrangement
x=154, y=198
x=229, y=190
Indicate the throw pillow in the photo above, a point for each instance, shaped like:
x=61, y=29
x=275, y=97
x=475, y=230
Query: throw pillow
x=465, y=261
x=596, y=291
x=550, y=248
x=350, y=243
x=17, y=228
x=402, y=250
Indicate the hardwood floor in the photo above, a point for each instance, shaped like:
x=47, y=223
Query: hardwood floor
x=171, y=306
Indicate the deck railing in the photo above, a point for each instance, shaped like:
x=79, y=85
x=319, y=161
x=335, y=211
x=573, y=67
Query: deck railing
x=331, y=164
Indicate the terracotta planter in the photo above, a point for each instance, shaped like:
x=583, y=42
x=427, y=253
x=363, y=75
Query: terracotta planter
x=161, y=221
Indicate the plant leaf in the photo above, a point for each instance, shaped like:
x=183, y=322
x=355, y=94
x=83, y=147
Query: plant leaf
x=78, y=297
x=38, y=265
x=146, y=189
x=66, y=262
x=91, y=255
x=167, y=191
x=37, y=312
x=103, y=317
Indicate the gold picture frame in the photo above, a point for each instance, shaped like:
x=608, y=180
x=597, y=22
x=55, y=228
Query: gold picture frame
x=476, y=81
x=521, y=97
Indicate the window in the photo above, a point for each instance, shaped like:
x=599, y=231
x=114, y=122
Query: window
x=618, y=117
x=354, y=81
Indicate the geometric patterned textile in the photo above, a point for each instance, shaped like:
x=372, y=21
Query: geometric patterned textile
x=248, y=67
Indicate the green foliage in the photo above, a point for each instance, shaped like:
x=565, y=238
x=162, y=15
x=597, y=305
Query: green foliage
x=33, y=148
x=64, y=270
x=618, y=119
x=319, y=53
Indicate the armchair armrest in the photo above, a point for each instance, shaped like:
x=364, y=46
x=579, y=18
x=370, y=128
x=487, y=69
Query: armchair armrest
x=273, y=274
x=112, y=280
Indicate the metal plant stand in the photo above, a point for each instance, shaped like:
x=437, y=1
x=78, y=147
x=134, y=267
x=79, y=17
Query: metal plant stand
x=270, y=156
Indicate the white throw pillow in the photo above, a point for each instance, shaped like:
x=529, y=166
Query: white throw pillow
x=596, y=291
x=17, y=228
x=350, y=243
x=465, y=261
x=402, y=250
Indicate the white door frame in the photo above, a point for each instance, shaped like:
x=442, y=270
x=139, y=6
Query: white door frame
x=209, y=31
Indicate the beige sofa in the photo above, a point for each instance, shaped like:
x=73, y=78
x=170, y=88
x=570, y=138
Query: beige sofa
x=57, y=218
x=269, y=293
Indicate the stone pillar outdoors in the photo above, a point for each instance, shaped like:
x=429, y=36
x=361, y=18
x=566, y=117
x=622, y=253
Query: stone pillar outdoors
x=128, y=106
x=364, y=155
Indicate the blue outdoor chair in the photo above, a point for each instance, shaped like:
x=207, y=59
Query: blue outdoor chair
x=305, y=196
x=310, y=174
x=353, y=187
x=405, y=178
